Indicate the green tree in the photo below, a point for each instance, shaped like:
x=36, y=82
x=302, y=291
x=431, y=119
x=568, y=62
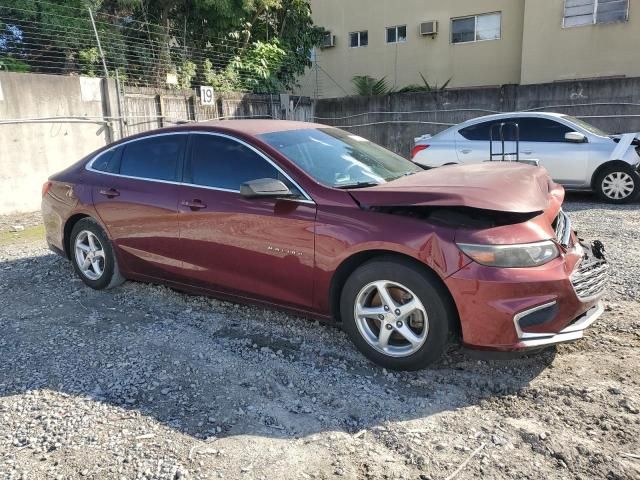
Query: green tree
x=12, y=65
x=260, y=45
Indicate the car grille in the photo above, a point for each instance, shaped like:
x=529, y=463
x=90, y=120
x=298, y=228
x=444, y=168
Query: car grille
x=562, y=227
x=590, y=279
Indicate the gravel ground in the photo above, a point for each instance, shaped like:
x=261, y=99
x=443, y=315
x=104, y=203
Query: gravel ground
x=145, y=382
x=11, y=223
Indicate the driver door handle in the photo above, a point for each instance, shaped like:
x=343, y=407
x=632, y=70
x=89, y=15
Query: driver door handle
x=194, y=204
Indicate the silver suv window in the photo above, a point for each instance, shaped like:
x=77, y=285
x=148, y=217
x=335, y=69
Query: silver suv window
x=531, y=129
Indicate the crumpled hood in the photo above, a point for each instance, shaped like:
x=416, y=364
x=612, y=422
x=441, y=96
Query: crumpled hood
x=500, y=186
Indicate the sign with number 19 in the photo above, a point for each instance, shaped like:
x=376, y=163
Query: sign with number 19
x=206, y=95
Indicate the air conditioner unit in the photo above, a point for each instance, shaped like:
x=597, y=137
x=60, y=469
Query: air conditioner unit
x=429, y=28
x=328, y=40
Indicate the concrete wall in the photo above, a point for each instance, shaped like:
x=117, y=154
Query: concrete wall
x=551, y=52
x=30, y=152
x=48, y=122
x=493, y=62
x=394, y=120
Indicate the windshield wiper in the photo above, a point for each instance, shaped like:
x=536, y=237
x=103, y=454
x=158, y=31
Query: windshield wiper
x=405, y=174
x=357, y=185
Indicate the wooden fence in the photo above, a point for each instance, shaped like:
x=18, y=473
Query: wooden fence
x=144, y=109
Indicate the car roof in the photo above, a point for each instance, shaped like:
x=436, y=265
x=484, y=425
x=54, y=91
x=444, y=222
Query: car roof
x=502, y=116
x=252, y=126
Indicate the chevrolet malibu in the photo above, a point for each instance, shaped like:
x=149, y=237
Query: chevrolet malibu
x=326, y=224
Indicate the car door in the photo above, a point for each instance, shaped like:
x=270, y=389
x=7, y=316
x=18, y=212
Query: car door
x=258, y=248
x=473, y=142
x=135, y=193
x=543, y=139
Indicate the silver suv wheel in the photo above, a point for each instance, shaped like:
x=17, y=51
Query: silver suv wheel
x=617, y=185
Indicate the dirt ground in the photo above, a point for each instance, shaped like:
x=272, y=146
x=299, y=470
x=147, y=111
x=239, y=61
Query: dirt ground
x=142, y=382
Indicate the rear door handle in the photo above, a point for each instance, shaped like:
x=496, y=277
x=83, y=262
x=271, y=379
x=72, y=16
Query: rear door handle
x=466, y=150
x=527, y=152
x=194, y=204
x=110, y=192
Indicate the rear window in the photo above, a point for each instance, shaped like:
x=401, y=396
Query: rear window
x=479, y=131
x=154, y=158
x=108, y=161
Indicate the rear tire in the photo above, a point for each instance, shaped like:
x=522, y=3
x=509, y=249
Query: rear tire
x=93, y=257
x=413, y=332
x=618, y=183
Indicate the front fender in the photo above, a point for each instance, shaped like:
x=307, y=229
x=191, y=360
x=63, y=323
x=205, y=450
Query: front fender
x=344, y=233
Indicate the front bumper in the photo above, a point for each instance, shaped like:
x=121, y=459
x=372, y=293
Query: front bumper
x=510, y=309
x=573, y=331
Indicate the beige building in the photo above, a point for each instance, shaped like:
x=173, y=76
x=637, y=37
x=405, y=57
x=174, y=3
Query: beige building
x=472, y=42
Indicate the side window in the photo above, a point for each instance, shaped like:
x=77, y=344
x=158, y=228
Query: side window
x=542, y=130
x=108, y=161
x=530, y=130
x=479, y=131
x=221, y=162
x=155, y=158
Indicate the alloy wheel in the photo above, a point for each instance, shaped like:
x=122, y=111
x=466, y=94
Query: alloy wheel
x=391, y=318
x=90, y=255
x=618, y=185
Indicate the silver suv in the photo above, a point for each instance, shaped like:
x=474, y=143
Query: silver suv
x=575, y=153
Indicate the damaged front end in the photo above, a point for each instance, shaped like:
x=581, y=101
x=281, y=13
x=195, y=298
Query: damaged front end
x=531, y=281
x=455, y=216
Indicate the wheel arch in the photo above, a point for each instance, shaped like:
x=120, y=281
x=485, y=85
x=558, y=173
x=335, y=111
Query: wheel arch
x=68, y=228
x=603, y=167
x=351, y=263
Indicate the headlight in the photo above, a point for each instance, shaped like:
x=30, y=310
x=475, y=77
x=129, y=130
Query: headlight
x=512, y=256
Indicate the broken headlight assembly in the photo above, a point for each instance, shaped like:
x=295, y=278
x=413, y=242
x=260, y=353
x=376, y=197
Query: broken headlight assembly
x=512, y=256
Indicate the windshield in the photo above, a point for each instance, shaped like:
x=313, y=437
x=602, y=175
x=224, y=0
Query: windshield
x=339, y=159
x=587, y=126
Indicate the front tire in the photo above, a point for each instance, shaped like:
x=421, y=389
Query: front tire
x=396, y=313
x=618, y=183
x=93, y=257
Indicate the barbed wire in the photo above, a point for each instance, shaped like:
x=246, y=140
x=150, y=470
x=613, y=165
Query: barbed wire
x=142, y=53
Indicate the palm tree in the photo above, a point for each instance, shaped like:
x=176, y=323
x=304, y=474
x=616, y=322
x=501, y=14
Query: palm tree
x=426, y=87
x=369, y=86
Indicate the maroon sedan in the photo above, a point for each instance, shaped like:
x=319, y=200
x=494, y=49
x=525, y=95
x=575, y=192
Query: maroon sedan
x=327, y=224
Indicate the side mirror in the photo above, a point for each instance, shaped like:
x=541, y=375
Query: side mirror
x=265, y=188
x=575, y=137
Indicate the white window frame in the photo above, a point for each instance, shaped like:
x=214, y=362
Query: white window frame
x=397, y=36
x=475, y=28
x=594, y=16
x=359, y=33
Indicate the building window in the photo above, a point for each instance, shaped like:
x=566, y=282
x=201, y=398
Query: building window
x=476, y=28
x=397, y=34
x=359, y=39
x=589, y=12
